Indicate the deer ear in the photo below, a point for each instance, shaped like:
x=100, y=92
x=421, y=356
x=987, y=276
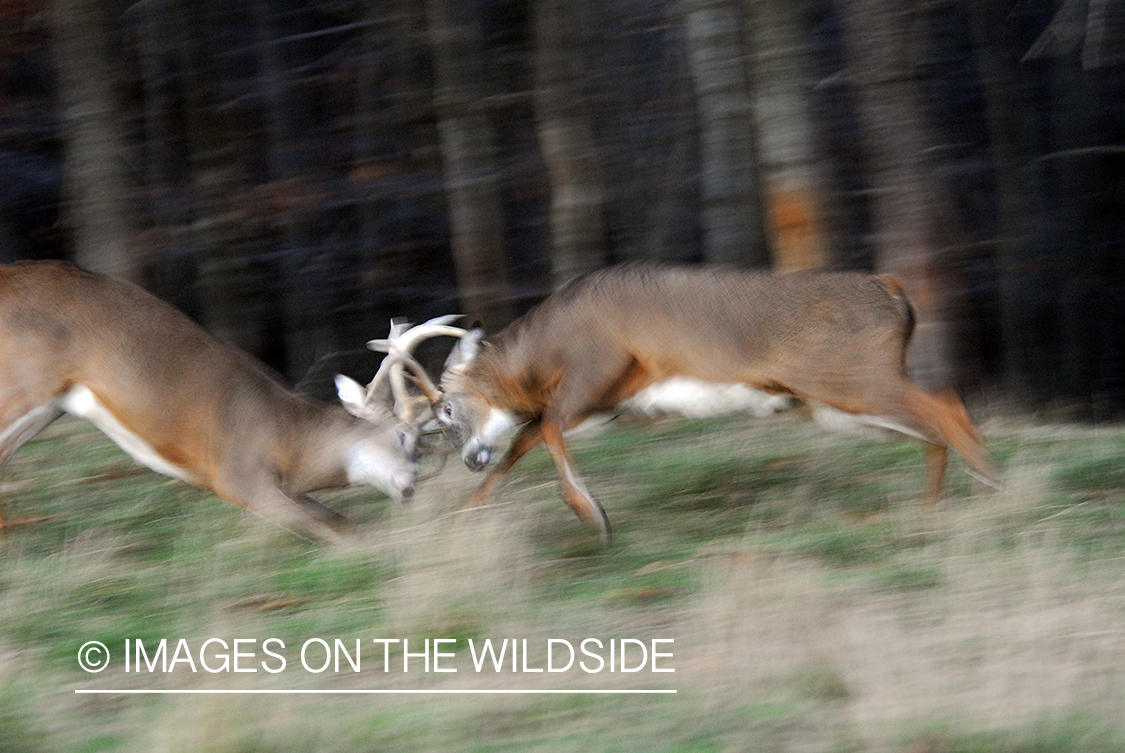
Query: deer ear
x=351, y=393
x=464, y=351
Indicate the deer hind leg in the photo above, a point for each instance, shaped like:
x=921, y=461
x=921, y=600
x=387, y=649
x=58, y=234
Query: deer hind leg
x=588, y=510
x=20, y=429
x=528, y=437
x=943, y=421
x=20, y=426
x=940, y=420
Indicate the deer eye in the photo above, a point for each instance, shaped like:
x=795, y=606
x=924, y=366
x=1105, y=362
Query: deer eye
x=445, y=414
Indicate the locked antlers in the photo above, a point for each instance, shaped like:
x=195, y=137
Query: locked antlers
x=399, y=345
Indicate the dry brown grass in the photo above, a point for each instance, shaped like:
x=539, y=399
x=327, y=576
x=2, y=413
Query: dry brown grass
x=810, y=611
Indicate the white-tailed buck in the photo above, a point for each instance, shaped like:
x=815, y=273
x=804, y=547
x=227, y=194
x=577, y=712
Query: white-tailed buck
x=835, y=341
x=183, y=403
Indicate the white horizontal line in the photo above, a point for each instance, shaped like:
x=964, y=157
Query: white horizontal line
x=235, y=691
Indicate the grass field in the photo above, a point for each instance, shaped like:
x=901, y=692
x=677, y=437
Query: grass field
x=814, y=603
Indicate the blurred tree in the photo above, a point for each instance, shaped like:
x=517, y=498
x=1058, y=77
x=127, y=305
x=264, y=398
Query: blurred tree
x=392, y=90
x=885, y=40
x=210, y=240
x=301, y=171
x=97, y=198
x=1021, y=244
x=732, y=214
x=30, y=161
x=306, y=333
x=468, y=145
x=153, y=43
x=835, y=133
x=155, y=29
x=793, y=179
x=566, y=139
x=639, y=102
x=1054, y=83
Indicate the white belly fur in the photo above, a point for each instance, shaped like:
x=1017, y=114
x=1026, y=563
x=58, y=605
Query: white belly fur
x=81, y=402
x=695, y=398
x=852, y=423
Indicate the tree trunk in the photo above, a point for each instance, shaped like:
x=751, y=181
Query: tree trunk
x=733, y=222
x=566, y=140
x=469, y=153
x=366, y=109
x=1060, y=198
x=153, y=38
x=1021, y=250
x=232, y=304
x=793, y=183
x=97, y=199
x=307, y=334
x=880, y=38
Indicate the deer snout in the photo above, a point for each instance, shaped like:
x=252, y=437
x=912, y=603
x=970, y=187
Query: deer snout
x=404, y=486
x=401, y=492
x=477, y=457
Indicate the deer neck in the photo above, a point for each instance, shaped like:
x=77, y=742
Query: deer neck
x=508, y=378
x=311, y=450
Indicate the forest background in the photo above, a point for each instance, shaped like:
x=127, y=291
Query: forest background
x=293, y=174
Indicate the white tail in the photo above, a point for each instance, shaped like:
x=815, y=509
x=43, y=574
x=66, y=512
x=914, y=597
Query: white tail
x=835, y=341
x=185, y=404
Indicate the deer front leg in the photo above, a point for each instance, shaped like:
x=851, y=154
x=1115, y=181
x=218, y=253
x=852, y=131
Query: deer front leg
x=574, y=491
x=320, y=511
x=937, y=458
x=279, y=509
x=299, y=513
x=603, y=378
x=528, y=437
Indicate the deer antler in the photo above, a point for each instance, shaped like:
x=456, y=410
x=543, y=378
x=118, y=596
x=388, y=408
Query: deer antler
x=398, y=344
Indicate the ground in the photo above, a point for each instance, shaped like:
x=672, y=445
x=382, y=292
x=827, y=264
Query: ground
x=813, y=602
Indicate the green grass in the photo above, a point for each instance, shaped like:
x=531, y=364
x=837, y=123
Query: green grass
x=814, y=602
x=1071, y=734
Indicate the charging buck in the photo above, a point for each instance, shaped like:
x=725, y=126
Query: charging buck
x=187, y=405
x=835, y=341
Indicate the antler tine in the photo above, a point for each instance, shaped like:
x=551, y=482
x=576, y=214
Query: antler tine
x=376, y=380
x=404, y=337
x=398, y=326
x=397, y=345
x=420, y=377
x=403, y=405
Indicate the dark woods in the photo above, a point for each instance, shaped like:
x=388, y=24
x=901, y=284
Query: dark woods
x=294, y=174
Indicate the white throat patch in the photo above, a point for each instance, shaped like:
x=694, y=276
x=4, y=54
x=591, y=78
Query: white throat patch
x=499, y=423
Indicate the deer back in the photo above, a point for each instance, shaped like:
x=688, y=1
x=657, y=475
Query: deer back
x=717, y=325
